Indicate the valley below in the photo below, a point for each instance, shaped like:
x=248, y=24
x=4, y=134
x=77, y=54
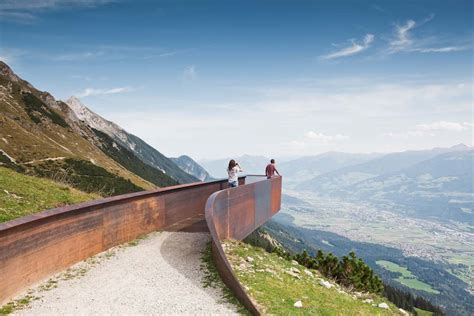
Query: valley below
x=450, y=244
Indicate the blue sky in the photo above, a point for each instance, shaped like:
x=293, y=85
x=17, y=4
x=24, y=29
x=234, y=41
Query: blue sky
x=225, y=78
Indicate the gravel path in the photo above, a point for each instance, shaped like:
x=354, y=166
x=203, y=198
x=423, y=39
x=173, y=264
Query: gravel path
x=160, y=275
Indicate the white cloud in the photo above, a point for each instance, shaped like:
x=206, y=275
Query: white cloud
x=278, y=116
x=447, y=49
x=444, y=126
x=431, y=129
x=78, y=56
x=91, y=91
x=190, y=73
x=322, y=138
x=402, y=38
x=297, y=143
x=355, y=48
x=404, y=41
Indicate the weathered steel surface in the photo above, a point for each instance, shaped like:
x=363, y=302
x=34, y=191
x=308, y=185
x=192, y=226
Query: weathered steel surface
x=37, y=246
x=234, y=214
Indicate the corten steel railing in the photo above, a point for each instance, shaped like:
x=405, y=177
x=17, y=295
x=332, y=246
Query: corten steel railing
x=37, y=246
x=234, y=214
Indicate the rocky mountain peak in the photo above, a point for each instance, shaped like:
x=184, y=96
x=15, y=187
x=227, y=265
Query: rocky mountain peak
x=78, y=108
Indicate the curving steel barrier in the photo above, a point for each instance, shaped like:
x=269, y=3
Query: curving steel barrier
x=234, y=214
x=37, y=246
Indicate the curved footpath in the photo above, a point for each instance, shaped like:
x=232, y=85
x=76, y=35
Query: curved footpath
x=159, y=275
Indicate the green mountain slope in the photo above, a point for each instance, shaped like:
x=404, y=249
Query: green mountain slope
x=41, y=136
x=276, y=285
x=128, y=159
x=22, y=195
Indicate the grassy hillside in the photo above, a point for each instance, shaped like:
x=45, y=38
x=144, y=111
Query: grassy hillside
x=276, y=284
x=22, y=195
x=35, y=128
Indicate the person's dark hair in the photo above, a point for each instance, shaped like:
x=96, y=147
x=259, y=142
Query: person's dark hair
x=232, y=164
x=272, y=161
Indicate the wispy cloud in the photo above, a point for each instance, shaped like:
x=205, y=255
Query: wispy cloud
x=353, y=49
x=323, y=138
x=404, y=41
x=26, y=11
x=403, y=38
x=446, y=49
x=431, y=129
x=92, y=91
x=78, y=56
x=190, y=73
x=444, y=126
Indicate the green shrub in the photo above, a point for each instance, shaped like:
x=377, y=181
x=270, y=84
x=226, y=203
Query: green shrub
x=350, y=271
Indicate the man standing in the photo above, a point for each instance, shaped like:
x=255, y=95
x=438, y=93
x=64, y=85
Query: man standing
x=271, y=169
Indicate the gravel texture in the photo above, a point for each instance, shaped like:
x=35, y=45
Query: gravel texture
x=160, y=275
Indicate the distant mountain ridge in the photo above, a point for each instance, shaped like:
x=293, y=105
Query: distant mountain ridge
x=383, y=165
x=308, y=167
x=188, y=165
x=436, y=183
x=145, y=152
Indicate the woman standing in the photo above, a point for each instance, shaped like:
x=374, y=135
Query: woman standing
x=233, y=170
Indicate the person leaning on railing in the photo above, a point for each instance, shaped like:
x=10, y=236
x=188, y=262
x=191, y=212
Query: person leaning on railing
x=271, y=169
x=233, y=171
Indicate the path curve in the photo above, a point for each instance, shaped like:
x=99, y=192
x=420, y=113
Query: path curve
x=160, y=275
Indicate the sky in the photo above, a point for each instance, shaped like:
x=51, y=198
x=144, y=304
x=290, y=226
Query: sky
x=215, y=79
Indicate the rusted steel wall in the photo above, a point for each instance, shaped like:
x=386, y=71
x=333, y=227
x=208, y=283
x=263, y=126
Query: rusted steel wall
x=37, y=246
x=234, y=214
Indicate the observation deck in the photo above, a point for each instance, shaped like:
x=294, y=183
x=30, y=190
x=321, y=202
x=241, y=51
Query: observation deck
x=38, y=246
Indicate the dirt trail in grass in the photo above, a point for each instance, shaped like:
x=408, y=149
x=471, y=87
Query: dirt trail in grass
x=159, y=275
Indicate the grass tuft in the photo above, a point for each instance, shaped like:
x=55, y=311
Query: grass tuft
x=213, y=280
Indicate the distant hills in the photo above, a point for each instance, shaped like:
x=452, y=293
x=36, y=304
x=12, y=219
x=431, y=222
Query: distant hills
x=45, y=137
x=433, y=183
x=188, y=165
x=308, y=167
x=372, y=168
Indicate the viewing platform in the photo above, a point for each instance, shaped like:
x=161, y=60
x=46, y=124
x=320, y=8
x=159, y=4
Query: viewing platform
x=36, y=247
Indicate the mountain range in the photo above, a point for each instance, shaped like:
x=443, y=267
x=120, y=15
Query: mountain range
x=308, y=167
x=435, y=183
x=66, y=141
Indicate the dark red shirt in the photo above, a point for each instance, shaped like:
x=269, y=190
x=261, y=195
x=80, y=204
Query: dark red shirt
x=270, y=170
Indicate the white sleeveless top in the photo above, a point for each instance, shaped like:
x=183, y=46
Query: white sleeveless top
x=233, y=174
